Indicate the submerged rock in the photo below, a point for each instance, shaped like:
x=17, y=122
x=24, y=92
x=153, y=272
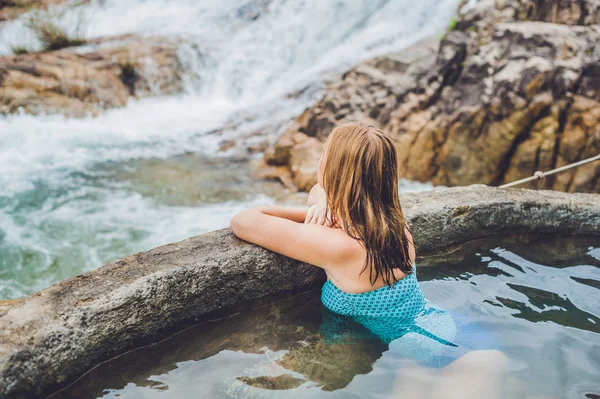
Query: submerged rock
x=86, y=80
x=54, y=336
x=505, y=95
x=280, y=382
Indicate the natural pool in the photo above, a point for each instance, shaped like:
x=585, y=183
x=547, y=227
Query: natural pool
x=536, y=296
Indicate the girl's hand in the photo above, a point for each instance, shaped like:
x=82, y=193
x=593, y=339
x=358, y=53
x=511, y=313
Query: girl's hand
x=316, y=195
x=316, y=214
x=319, y=214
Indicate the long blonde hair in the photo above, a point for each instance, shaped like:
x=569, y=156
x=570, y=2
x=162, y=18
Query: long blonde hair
x=360, y=179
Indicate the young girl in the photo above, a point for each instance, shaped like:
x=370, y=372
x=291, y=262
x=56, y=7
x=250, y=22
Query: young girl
x=369, y=245
x=355, y=230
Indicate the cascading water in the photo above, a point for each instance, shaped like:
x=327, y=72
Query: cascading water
x=77, y=193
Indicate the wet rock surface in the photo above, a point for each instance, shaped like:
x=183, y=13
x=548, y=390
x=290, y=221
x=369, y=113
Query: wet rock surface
x=322, y=347
x=57, y=334
x=78, y=81
x=513, y=88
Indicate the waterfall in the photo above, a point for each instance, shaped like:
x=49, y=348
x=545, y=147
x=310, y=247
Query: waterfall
x=77, y=193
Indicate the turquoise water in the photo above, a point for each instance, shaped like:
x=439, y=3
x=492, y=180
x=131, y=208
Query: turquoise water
x=78, y=193
x=535, y=298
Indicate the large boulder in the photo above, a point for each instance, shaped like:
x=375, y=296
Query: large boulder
x=52, y=337
x=514, y=88
x=86, y=80
x=523, y=101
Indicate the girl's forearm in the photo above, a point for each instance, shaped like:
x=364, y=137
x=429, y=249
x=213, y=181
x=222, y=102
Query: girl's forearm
x=296, y=214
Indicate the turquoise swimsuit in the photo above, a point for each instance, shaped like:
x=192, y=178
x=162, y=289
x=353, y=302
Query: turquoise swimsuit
x=399, y=315
x=403, y=299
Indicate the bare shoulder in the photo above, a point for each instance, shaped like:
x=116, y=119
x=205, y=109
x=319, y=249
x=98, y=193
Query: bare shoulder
x=345, y=248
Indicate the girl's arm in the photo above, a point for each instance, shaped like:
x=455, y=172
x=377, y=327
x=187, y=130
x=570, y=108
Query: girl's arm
x=281, y=229
x=293, y=213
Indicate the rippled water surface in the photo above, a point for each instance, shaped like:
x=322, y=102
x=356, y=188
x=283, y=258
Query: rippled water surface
x=537, y=298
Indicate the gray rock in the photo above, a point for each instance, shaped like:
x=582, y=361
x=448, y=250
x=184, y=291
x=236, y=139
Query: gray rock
x=513, y=88
x=57, y=334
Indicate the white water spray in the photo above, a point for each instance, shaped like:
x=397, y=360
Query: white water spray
x=63, y=207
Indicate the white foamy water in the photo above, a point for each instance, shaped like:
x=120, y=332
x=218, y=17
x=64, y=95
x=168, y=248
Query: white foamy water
x=64, y=208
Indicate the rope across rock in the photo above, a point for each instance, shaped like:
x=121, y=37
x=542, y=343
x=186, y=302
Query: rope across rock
x=541, y=175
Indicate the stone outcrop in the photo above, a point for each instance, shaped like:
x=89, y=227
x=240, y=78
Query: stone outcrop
x=57, y=334
x=490, y=12
x=514, y=88
x=85, y=80
x=10, y=9
x=360, y=94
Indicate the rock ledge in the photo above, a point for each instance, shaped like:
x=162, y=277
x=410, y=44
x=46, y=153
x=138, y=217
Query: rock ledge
x=54, y=336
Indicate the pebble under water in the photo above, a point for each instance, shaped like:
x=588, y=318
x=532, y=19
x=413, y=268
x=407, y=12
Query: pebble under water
x=537, y=297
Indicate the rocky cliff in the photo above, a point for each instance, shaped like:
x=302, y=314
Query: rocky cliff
x=513, y=87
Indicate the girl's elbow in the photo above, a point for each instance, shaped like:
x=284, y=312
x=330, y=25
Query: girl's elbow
x=240, y=223
x=236, y=224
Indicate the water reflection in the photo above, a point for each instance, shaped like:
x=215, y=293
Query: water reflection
x=286, y=334
x=543, y=316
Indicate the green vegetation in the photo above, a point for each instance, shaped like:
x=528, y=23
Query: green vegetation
x=452, y=25
x=16, y=50
x=51, y=35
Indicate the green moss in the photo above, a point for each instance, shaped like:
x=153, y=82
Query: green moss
x=452, y=25
x=16, y=50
